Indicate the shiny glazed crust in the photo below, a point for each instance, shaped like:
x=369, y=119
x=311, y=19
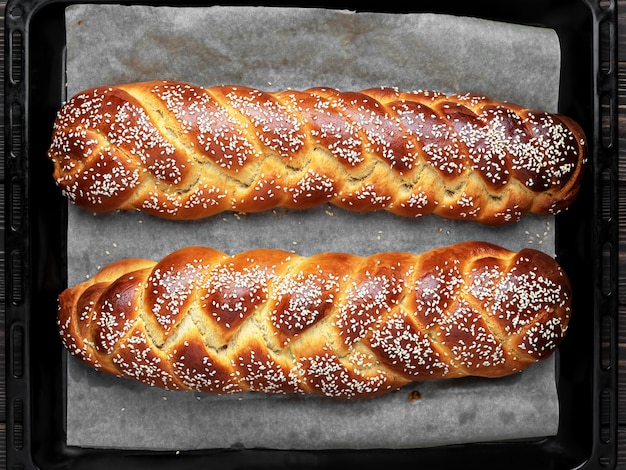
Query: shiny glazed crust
x=333, y=324
x=179, y=151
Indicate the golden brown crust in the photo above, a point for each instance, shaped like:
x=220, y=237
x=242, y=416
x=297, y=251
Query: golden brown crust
x=180, y=151
x=333, y=324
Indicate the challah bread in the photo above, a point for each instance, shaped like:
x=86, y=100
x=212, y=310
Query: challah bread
x=180, y=151
x=333, y=324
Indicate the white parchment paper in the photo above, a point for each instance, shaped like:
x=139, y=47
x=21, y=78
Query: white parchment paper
x=278, y=48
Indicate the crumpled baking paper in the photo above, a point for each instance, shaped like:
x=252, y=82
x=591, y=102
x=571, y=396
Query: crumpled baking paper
x=277, y=48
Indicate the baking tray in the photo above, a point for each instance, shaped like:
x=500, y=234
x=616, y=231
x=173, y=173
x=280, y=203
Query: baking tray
x=34, y=228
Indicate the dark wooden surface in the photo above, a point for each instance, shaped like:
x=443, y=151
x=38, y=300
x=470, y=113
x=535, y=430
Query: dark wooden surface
x=621, y=411
x=3, y=401
x=621, y=418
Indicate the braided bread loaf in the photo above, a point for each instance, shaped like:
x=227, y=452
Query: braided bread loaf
x=333, y=324
x=179, y=151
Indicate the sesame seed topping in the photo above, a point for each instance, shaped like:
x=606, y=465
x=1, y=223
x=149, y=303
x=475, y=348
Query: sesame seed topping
x=335, y=324
x=181, y=151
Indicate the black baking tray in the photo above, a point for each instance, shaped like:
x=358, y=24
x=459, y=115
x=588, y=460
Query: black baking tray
x=34, y=229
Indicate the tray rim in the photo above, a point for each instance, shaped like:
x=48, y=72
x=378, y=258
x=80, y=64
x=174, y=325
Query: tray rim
x=19, y=239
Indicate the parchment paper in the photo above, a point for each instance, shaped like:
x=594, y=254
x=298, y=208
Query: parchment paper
x=277, y=48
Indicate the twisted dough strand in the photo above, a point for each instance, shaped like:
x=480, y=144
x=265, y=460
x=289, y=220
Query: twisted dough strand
x=333, y=324
x=180, y=151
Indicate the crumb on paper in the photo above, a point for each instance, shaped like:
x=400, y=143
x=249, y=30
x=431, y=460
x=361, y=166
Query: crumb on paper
x=538, y=237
